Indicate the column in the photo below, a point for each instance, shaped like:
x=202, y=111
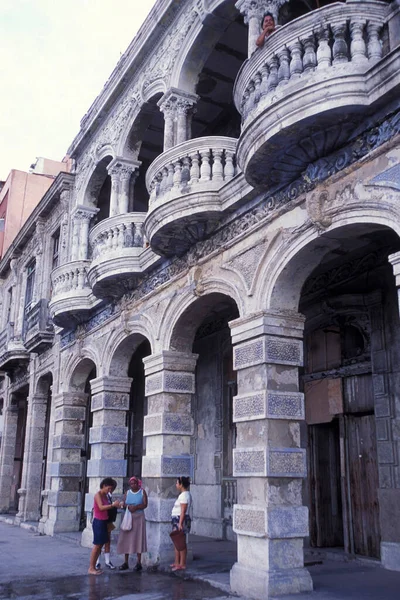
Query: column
x=177, y=107
x=30, y=497
x=269, y=519
x=7, y=451
x=168, y=428
x=253, y=11
x=63, y=247
x=386, y=387
x=121, y=171
x=81, y=217
x=107, y=437
x=65, y=470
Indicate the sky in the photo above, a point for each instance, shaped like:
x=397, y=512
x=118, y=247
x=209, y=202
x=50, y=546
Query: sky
x=55, y=57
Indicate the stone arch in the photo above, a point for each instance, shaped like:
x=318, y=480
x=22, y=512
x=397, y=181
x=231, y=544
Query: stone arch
x=44, y=383
x=187, y=321
x=121, y=349
x=285, y=272
x=80, y=374
x=96, y=192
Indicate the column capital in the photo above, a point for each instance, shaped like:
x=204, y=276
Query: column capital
x=112, y=384
x=175, y=100
x=257, y=8
x=84, y=213
x=285, y=323
x=122, y=168
x=170, y=360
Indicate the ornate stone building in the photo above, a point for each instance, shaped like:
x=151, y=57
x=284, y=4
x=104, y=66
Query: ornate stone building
x=213, y=291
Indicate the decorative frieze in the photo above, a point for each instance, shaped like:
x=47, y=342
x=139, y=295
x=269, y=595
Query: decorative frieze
x=249, y=520
x=168, y=423
x=285, y=405
x=168, y=466
x=170, y=381
x=268, y=349
x=286, y=462
x=111, y=401
x=249, y=407
x=287, y=522
x=249, y=462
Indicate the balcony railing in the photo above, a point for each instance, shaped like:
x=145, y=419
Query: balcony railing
x=38, y=328
x=71, y=293
x=12, y=351
x=117, y=233
x=200, y=164
x=185, y=184
x=328, y=69
x=119, y=254
x=348, y=34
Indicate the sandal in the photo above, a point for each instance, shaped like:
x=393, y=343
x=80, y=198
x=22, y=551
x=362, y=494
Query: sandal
x=123, y=567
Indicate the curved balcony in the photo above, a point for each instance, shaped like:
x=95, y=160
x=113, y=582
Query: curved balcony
x=304, y=93
x=71, y=298
x=119, y=254
x=13, y=353
x=184, y=184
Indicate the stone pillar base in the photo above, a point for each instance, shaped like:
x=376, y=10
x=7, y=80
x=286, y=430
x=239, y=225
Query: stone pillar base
x=87, y=537
x=390, y=555
x=256, y=584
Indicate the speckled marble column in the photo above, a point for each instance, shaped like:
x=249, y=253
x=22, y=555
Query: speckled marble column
x=168, y=427
x=7, y=453
x=65, y=470
x=269, y=519
x=107, y=437
x=30, y=496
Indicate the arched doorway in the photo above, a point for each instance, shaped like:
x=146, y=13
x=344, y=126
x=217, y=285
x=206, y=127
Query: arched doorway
x=80, y=383
x=203, y=328
x=349, y=298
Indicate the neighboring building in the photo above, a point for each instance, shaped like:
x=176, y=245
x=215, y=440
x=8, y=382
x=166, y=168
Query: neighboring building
x=20, y=194
x=231, y=211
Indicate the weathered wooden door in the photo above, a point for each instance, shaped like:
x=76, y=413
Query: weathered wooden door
x=326, y=510
x=363, y=484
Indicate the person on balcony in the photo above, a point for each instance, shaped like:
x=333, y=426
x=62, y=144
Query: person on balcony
x=268, y=26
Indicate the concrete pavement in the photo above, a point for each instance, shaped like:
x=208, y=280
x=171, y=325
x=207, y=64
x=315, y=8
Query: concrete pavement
x=35, y=567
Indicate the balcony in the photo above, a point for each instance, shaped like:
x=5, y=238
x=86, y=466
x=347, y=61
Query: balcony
x=38, y=328
x=185, y=185
x=119, y=255
x=72, y=297
x=315, y=80
x=13, y=353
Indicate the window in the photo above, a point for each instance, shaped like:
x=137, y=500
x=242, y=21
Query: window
x=56, y=249
x=30, y=282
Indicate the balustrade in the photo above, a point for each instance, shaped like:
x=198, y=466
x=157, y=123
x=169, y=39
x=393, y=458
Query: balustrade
x=336, y=35
x=197, y=165
x=71, y=277
x=229, y=492
x=117, y=233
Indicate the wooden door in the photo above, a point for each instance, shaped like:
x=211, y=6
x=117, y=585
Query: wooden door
x=363, y=484
x=326, y=500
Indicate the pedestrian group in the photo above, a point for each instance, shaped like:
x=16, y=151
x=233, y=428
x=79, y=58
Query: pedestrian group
x=132, y=535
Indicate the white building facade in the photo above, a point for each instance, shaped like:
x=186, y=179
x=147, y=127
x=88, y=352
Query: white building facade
x=213, y=291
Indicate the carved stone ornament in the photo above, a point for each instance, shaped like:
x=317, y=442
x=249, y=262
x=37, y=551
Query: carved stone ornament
x=257, y=8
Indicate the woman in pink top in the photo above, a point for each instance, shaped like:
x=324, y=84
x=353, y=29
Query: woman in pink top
x=100, y=517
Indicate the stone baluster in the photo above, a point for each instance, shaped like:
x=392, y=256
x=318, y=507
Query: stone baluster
x=186, y=170
x=164, y=180
x=309, y=57
x=229, y=166
x=374, y=42
x=257, y=88
x=205, y=169
x=284, y=66
x=195, y=168
x=324, y=52
x=217, y=171
x=244, y=107
x=82, y=277
x=153, y=195
x=264, y=80
x=271, y=522
x=170, y=179
x=7, y=452
x=273, y=79
x=138, y=235
x=107, y=436
x=177, y=175
x=168, y=428
x=296, y=61
x=358, y=49
x=340, y=50
x=121, y=236
x=250, y=103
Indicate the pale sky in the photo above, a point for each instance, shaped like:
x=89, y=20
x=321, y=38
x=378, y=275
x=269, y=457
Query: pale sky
x=55, y=57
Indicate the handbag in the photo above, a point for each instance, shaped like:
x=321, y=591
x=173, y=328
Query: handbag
x=126, y=523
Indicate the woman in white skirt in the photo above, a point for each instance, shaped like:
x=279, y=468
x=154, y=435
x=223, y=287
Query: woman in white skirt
x=134, y=540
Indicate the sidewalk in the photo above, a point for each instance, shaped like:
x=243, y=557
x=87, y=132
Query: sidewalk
x=28, y=557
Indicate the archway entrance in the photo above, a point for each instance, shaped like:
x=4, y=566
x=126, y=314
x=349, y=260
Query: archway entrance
x=351, y=331
x=214, y=487
x=19, y=401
